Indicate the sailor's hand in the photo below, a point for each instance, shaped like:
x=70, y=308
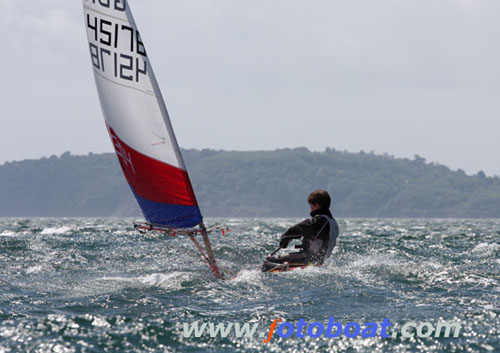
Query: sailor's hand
x=284, y=243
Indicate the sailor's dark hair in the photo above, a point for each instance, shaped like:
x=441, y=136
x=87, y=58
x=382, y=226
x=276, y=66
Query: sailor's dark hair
x=320, y=196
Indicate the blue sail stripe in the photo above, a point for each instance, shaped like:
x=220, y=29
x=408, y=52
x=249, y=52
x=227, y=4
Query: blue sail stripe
x=175, y=216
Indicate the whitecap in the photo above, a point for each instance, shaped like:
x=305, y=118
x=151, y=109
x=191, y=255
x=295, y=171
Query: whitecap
x=170, y=281
x=119, y=279
x=246, y=276
x=375, y=260
x=163, y=280
x=34, y=269
x=56, y=230
x=486, y=249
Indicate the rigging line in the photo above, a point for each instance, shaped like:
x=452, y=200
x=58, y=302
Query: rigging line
x=159, y=238
x=209, y=261
x=209, y=258
x=200, y=249
x=186, y=251
x=210, y=252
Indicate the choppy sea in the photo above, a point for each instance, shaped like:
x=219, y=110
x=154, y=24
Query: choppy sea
x=96, y=285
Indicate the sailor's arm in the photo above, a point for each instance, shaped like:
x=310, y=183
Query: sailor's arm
x=295, y=232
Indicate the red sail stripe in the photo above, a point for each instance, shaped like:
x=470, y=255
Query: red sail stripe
x=151, y=179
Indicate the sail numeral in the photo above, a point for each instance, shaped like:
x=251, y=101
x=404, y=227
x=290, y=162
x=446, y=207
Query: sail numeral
x=92, y=27
x=119, y=5
x=138, y=70
x=129, y=65
x=140, y=45
x=108, y=42
x=94, y=54
x=105, y=33
x=124, y=66
x=112, y=35
x=103, y=51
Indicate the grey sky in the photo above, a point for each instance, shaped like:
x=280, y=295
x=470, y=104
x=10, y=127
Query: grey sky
x=402, y=77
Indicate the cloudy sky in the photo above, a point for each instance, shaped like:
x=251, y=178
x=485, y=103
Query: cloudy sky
x=399, y=77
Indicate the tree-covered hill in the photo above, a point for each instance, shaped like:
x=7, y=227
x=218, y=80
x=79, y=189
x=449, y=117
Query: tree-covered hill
x=255, y=184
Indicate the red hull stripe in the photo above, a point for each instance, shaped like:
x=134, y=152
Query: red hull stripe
x=151, y=179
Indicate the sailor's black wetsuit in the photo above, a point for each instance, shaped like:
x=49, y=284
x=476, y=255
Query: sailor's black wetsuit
x=315, y=233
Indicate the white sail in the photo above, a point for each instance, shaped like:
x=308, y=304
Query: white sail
x=137, y=117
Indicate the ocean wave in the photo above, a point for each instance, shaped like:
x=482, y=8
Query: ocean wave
x=8, y=233
x=167, y=281
x=56, y=230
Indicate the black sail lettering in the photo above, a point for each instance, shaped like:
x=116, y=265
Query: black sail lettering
x=107, y=52
x=120, y=5
x=129, y=66
x=116, y=35
x=92, y=27
x=116, y=63
x=94, y=54
x=140, y=45
x=106, y=34
x=139, y=70
x=104, y=3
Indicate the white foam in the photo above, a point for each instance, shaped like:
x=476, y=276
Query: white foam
x=56, y=230
x=34, y=269
x=485, y=249
x=171, y=281
x=160, y=279
x=100, y=322
x=375, y=260
x=245, y=276
x=8, y=233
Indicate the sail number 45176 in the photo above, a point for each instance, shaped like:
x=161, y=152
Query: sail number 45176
x=116, y=49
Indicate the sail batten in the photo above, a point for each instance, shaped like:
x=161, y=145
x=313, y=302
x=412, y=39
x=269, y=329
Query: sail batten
x=137, y=118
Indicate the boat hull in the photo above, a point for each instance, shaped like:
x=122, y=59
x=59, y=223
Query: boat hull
x=273, y=267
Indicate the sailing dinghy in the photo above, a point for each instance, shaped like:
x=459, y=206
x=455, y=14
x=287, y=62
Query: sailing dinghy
x=139, y=125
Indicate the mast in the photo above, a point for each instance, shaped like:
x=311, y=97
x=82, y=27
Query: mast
x=210, y=253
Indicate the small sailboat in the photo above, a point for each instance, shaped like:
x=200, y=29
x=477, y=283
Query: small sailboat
x=139, y=125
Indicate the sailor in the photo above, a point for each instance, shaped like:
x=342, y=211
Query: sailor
x=318, y=234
